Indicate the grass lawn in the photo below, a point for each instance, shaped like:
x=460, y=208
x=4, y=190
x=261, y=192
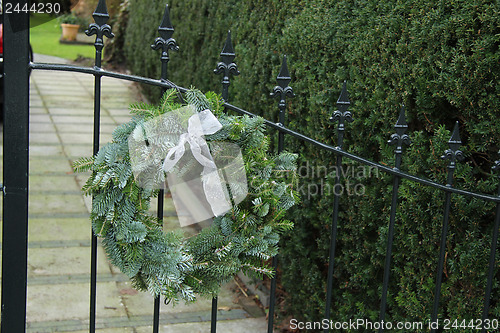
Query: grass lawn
x=44, y=39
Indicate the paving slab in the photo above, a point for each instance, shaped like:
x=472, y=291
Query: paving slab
x=36, y=107
x=63, y=326
x=74, y=111
x=43, y=127
x=55, y=204
x=139, y=303
x=58, y=229
x=47, y=137
x=50, y=183
x=250, y=325
x=63, y=261
x=46, y=150
x=42, y=165
x=54, y=302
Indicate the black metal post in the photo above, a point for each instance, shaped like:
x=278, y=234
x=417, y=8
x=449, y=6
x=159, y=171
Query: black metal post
x=399, y=138
x=341, y=115
x=165, y=42
x=494, y=242
x=15, y=170
x=213, y=316
x=156, y=315
x=453, y=154
x=100, y=29
x=226, y=67
x=281, y=91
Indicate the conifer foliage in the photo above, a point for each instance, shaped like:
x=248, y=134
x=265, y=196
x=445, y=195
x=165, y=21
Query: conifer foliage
x=166, y=263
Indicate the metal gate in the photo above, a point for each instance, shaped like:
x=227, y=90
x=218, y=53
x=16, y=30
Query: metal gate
x=17, y=68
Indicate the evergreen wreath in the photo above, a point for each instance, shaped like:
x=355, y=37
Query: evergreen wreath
x=167, y=263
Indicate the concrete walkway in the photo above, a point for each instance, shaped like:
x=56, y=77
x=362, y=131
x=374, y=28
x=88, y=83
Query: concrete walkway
x=61, y=122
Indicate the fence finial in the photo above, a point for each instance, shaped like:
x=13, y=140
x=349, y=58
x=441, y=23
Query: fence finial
x=342, y=115
x=282, y=90
x=100, y=29
x=100, y=14
x=343, y=101
x=166, y=29
x=284, y=76
x=454, y=154
x=165, y=42
x=227, y=53
x=227, y=66
x=400, y=138
x=401, y=125
x=454, y=143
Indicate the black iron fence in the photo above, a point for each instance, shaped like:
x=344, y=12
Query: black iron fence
x=15, y=159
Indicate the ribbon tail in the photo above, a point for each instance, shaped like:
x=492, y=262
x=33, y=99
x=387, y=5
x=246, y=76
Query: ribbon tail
x=215, y=193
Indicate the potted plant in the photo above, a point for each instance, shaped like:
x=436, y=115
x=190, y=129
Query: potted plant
x=70, y=25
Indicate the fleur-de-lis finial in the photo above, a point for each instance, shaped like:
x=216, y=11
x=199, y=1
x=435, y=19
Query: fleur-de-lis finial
x=100, y=28
x=165, y=42
x=400, y=138
x=283, y=90
x=227, y=66
x=342, y=115
x=453, y=154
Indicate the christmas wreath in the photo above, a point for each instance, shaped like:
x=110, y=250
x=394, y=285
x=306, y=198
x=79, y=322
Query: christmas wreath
x=243, y=238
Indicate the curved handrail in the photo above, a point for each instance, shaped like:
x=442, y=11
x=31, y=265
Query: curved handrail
x=336, y=150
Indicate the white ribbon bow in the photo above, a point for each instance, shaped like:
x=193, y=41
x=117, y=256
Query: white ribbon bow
x=203, y=123
x=200, y=124
x=201, y=179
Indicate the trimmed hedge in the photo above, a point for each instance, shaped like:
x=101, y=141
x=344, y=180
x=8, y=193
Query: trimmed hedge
x=441, y=59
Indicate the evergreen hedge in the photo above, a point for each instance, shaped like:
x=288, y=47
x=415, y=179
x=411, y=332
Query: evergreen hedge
x=441, y=59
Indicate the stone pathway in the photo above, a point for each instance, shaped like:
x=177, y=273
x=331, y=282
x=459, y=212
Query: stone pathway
x=61, y=122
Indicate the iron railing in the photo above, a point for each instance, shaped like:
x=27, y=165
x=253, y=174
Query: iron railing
x=15, y=159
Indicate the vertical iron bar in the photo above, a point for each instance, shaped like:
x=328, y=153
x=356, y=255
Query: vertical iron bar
x=226, y=67
x=453, y=154
x=281, y=91
x=165, y=42
x=388, y=255
x=100, y=29
x=333, y=241
x=93, y=250
x=399, y=138
x=15, y=171
x=491, y=269
x=213, y=317
x=341, y=115
x=156, y=314
x=272, y=300
x=442, y=252
x=156, y=306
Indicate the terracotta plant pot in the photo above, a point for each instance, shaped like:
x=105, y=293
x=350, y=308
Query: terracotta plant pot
x=69, y=31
